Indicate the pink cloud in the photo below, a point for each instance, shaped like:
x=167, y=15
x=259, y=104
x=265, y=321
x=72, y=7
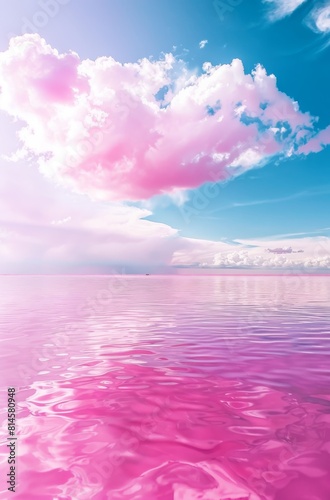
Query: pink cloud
x=98, y=127
x=317, y=143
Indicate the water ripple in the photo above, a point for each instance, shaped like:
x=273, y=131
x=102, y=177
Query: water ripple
x=173, y=388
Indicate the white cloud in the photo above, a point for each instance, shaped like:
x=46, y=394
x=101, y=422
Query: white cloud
x=319, y=19
x=202, y=43
x=248, y=158
x=282, y=8
x=302, y=253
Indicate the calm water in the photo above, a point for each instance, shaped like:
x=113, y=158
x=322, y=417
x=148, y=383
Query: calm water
x=185, y=388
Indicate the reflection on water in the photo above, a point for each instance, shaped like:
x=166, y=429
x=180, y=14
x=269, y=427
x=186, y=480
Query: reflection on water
x=185, y=388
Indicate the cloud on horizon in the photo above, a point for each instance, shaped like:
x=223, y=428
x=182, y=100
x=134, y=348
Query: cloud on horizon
x=47, y=229
x=131, y=131
x=306, y=253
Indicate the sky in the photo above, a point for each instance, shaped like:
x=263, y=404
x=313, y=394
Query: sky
x=158, y=136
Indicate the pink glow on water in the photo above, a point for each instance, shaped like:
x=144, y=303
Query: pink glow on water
x=184, y=388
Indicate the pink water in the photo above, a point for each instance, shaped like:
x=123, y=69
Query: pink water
x=185, y=388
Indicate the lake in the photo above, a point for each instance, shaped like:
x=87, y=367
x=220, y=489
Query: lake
x=167, y=387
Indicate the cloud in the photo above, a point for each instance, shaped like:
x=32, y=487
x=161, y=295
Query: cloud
x=294, y=253
x=308, y=253
x=282, y=8
x=285, y=250
x=131, y=131
x=317, y=143
x=44, y=228
x=203, y=43
x=319, y=19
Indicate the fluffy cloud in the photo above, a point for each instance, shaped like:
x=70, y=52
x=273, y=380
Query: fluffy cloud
x=282, y=8
x=303, y=253
x=299, y=253
x=130, y=131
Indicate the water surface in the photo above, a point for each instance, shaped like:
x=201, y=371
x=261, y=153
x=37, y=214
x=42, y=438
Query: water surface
x=171, y=387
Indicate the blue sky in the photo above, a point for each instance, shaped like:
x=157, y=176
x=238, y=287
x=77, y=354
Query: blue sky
x=283, y=197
